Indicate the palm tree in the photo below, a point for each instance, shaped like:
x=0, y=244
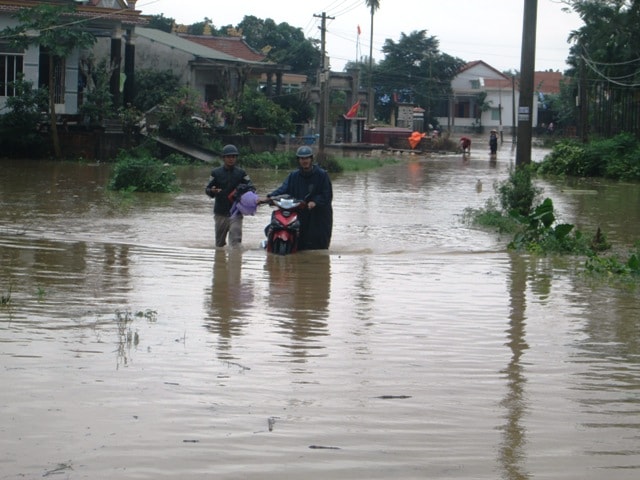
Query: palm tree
x=373, y=5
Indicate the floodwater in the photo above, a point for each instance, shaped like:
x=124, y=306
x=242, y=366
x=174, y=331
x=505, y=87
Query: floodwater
x=417, y=347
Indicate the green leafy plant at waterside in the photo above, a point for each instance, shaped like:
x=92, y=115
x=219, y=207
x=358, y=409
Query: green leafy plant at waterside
x=617, y=158
x=518, y=192
x=19, y=136
x=137, y=170
x=541, y=233
x=614, y=264
x=277, y=160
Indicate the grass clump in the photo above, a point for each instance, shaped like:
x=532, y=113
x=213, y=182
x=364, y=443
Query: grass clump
x=331, y=163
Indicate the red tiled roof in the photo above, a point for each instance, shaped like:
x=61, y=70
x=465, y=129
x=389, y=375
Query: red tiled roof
x=547, y=82
x=234, y=46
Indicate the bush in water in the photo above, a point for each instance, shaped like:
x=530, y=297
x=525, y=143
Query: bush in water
x=138, y=171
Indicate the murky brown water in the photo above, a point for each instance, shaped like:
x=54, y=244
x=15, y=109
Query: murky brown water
x=415, y=348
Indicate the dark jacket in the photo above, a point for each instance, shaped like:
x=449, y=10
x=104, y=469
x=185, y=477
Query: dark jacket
x=228, y=180
x=316, y=225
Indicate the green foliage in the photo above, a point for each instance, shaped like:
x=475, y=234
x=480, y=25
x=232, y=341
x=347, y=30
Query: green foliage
x=160, y=22
x=282, y=44
x=535, y=230
x=19, y=126
x=277, y=160
x=298, y=106
x=613, y=264
x=415, y=71
x=257, y=110
x=491, y=216
x=541, y=234
x=153, y=88
x=98, y=101
x=361, y=164
x=518, y=193
x=56, y=34
x=331, y=164
x=184, y=117
x=137, y=170
x=617, y=158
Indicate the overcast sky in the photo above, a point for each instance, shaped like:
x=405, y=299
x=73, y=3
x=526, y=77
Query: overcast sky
x=488, y=30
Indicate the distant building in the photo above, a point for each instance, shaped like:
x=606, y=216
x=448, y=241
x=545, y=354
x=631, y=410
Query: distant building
x=466, y=111
x=109, y=19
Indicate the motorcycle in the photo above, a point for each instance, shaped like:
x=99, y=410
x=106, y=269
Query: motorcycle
x=283, y=232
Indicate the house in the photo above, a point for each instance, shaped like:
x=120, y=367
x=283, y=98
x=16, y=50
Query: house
x=202, y=63
x=485, y=98
x=482, y=97
x=111, y=19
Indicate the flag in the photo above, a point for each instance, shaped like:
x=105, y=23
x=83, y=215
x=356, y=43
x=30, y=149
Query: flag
x=359, y=31
x=353, y=111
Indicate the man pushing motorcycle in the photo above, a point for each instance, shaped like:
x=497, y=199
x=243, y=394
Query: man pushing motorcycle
x=312, y=184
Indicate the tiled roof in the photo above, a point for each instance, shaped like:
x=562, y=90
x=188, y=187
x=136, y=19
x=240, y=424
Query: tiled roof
x=547, y=82
x=128, y=16
x=234, y=46
x=186, y=45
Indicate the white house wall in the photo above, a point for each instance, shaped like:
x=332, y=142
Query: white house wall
x=471, y=82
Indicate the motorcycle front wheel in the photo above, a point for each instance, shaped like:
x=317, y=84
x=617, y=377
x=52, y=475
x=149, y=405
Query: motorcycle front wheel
x=281, y=247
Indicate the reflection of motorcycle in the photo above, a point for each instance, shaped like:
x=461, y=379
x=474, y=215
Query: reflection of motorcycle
x=283, y=232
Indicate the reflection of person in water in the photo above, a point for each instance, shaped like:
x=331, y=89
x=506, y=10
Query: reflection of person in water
x=299, y=287
x=229, y=296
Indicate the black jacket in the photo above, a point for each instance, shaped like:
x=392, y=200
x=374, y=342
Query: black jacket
x=315, y=225
x=228, y=180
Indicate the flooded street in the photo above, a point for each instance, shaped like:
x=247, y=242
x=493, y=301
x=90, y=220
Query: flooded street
x=417, y=347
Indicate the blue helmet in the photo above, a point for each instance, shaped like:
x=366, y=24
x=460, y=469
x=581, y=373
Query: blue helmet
x=304, y=152
x=229, y=150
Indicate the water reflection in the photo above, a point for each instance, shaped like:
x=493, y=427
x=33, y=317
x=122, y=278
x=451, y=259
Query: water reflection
x=229, y=298
x=512, y=453
x=299, y=287
x=515, y=367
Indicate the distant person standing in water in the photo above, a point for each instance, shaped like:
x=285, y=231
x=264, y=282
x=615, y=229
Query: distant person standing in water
x=493, y=142
x=465, y=145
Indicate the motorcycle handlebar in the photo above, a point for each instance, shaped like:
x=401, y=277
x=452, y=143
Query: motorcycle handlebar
x=301, y=204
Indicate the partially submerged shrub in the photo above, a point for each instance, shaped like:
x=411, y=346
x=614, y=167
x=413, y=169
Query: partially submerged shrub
x=138, y=171
x=616, y=158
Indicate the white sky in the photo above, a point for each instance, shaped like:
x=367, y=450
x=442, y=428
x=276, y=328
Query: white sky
x=488, y=30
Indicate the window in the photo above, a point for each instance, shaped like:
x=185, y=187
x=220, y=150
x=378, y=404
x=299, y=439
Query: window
x=10, y=71
x=475, y=84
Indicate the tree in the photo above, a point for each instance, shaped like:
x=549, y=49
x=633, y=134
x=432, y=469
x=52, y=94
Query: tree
x=605, y=65
x=153, y=87
x=160, y=22
x=281, y=43
x=19, y=126
x=56, y=37
x=373, y=5
x=415, y=71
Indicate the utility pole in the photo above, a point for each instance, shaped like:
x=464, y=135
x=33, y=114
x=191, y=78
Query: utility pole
x=583, y=117
x=527, y=66
x=323, y=78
